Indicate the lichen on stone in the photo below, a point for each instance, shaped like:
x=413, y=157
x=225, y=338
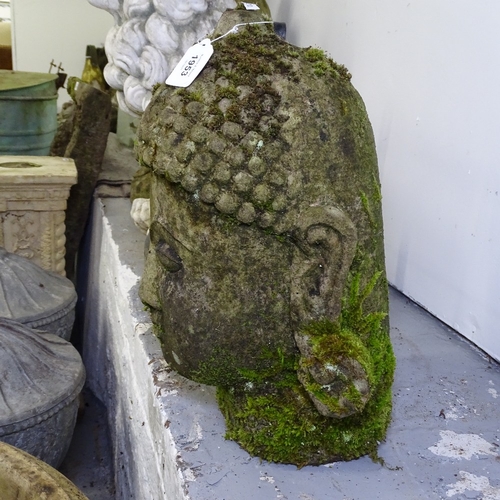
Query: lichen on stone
x=266, y=271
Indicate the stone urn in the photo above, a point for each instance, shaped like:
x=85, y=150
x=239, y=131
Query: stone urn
x=41, y=378
x=265, y=274
x=35, y=297
x=22, y=476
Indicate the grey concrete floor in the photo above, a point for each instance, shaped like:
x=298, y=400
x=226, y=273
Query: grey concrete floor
x=88, y=462
x=445, y=433
x=444, y=440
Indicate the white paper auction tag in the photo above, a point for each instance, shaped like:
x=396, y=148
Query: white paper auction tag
x=250, y=6
x=191, y=64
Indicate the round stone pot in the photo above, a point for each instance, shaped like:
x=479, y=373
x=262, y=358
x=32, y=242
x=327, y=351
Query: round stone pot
x=35, y=297
x=23, y=476
x=41, y=376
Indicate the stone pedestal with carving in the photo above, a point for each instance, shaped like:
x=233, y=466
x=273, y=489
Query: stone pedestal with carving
x=33, y=194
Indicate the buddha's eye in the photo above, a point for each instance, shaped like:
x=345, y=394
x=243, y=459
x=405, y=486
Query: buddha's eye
x=168, y=257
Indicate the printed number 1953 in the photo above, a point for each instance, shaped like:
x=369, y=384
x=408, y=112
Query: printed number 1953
x=189, y=67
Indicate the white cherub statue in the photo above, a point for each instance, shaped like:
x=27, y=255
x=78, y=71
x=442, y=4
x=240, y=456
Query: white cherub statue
x=148, y=40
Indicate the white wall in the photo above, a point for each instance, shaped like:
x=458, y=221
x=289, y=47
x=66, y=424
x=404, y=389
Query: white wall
x=56, y=29
x=429, y=74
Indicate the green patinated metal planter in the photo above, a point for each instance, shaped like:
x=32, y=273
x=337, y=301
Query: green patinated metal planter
x=28, y=112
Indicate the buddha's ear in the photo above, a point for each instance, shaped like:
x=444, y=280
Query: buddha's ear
x=326, y=241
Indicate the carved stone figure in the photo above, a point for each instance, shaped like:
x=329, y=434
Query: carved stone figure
x=149, y=39
x=265, y=273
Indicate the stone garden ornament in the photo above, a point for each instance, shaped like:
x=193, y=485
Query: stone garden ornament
x=42, y=376
x=148, y=40
x=35, y=297
x=265, y=274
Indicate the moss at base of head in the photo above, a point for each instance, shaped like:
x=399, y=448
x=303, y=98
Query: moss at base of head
x=220, y=370
x=223, y=369
x=284, y=426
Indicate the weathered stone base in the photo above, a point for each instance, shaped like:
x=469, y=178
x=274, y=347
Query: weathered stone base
x=32, y=207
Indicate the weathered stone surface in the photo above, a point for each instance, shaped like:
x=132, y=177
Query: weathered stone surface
x=65, y=125
x=42, y=376
x=35, y=297
x=33, y=194
x=86, y=147
x=141, y=184
x=265, y=274
x=24, y=476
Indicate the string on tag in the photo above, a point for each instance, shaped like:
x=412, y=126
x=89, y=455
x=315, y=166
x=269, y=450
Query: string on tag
x=234, y=29
x=196, y=58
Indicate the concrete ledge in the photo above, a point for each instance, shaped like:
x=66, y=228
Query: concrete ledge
x=125, y=366
x=168, y=434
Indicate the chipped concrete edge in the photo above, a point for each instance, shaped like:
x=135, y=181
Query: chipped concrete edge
x=123, y=357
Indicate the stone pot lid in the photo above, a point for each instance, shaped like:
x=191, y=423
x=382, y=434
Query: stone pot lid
x=30, y=294
x=40, y=374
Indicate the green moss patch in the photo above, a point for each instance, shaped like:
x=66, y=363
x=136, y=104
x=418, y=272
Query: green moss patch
x=284, y=426
x=271, y=414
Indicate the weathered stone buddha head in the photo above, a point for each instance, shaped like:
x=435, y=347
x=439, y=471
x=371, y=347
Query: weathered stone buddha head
x=265, y=272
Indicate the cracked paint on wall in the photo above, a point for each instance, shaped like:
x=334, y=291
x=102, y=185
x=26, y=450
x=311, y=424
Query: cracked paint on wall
x=461, y=446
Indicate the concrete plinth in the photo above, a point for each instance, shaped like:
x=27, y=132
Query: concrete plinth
x=33, y=194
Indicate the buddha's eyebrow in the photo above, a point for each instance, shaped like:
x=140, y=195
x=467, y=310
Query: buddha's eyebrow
x=165, y=227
